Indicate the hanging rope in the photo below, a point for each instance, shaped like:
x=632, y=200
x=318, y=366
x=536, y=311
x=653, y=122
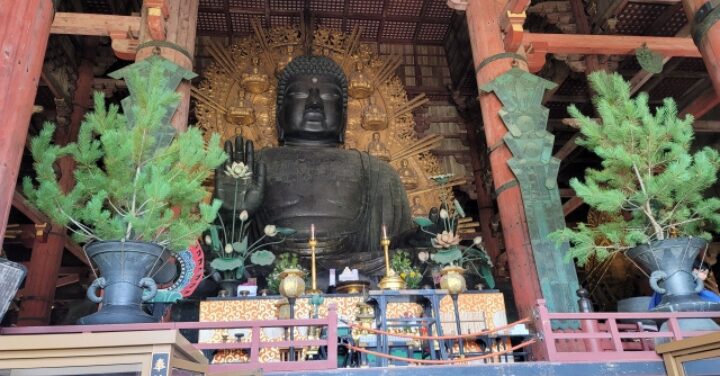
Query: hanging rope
x=431, y=338
x=449, y=361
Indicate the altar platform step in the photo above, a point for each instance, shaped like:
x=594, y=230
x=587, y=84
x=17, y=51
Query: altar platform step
x=651, y=368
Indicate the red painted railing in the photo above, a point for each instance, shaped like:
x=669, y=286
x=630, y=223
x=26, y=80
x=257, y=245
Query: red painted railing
x=602, y=337
x=254, y=345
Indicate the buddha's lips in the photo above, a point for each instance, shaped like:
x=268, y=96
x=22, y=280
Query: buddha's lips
x=314, y=115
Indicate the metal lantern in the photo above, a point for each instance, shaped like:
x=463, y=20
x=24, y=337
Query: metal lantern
x=292, y=284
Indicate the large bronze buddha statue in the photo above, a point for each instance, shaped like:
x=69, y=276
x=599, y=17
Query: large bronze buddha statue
x=347, y=194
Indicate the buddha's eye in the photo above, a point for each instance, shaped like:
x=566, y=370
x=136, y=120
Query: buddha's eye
x=329, y=96
x=298, y=94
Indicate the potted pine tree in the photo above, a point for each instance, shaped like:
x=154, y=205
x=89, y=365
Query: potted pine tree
x=138, y=187
x=651, y=186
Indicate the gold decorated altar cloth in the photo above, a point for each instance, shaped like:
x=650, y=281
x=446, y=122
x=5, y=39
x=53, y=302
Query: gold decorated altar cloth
x=479, y=310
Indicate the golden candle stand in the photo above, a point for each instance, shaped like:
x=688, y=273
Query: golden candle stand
x=391, y=281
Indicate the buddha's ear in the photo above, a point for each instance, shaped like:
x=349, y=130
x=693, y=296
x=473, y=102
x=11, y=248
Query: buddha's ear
x=341, y=136
x=280, y=131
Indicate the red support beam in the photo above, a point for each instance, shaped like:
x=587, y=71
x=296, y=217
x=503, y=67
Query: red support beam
x=24, y=32
x=39, y=291
x=486, y=40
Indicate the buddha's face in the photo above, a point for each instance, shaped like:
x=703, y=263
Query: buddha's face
x=312, y=112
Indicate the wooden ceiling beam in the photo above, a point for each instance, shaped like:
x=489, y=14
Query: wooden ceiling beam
x=23, y=205
x=93, y=24
x=381, y=26
x=567, y=148
x=703, y=104
x=568, y=44
x=706, y=126
x=516, y=6
x=571, y=205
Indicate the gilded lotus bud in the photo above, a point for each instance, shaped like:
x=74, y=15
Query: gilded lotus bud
x=228, y=248
x=270, y=230
x=243, y=215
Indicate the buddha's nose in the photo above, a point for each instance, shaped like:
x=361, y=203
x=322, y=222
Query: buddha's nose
x=314, y=102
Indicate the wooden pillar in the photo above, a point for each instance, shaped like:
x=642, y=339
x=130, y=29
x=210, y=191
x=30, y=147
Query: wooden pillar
x=709, y=44
x=181, y=31
x=39, y=291
x=24, y=32
x=483, y=17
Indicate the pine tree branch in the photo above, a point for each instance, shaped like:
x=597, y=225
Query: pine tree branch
x=647, y=209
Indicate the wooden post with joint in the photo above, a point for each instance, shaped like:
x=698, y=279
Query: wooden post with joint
x=169, y=28
x=703, y=16
x=488, y=49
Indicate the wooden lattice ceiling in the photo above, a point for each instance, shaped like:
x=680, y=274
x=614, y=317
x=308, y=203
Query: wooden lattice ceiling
x=385, y=21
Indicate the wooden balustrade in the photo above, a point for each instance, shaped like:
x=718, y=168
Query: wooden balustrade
x=601, y=337
x=254, y=345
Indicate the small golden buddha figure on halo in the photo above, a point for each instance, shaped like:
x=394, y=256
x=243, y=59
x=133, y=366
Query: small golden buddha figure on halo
x=243, y=114
x=253, y=79
x=373, y=117
x=283, y=61
x=377, y=148
x=360, y=86
x=407, y=175
x=417, y=209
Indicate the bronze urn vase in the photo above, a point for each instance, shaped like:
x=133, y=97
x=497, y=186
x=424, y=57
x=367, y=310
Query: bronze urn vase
x=670, y=264
x=124, y=269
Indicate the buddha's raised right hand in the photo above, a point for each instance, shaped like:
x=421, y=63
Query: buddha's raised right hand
x=240, y=182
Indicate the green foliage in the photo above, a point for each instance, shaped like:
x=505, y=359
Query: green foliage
x=126, y=186
x=447, y=256
x=402, y=264
x=262, y=257
x=284, y=261
x=422, y=221
x=449, y=251
x=648, y=174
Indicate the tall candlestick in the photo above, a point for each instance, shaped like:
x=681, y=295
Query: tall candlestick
x=391, y=281
x=313, y=244
x=385, y=243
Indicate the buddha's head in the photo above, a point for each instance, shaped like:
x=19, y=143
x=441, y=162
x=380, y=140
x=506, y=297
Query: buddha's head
x=312, y=102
